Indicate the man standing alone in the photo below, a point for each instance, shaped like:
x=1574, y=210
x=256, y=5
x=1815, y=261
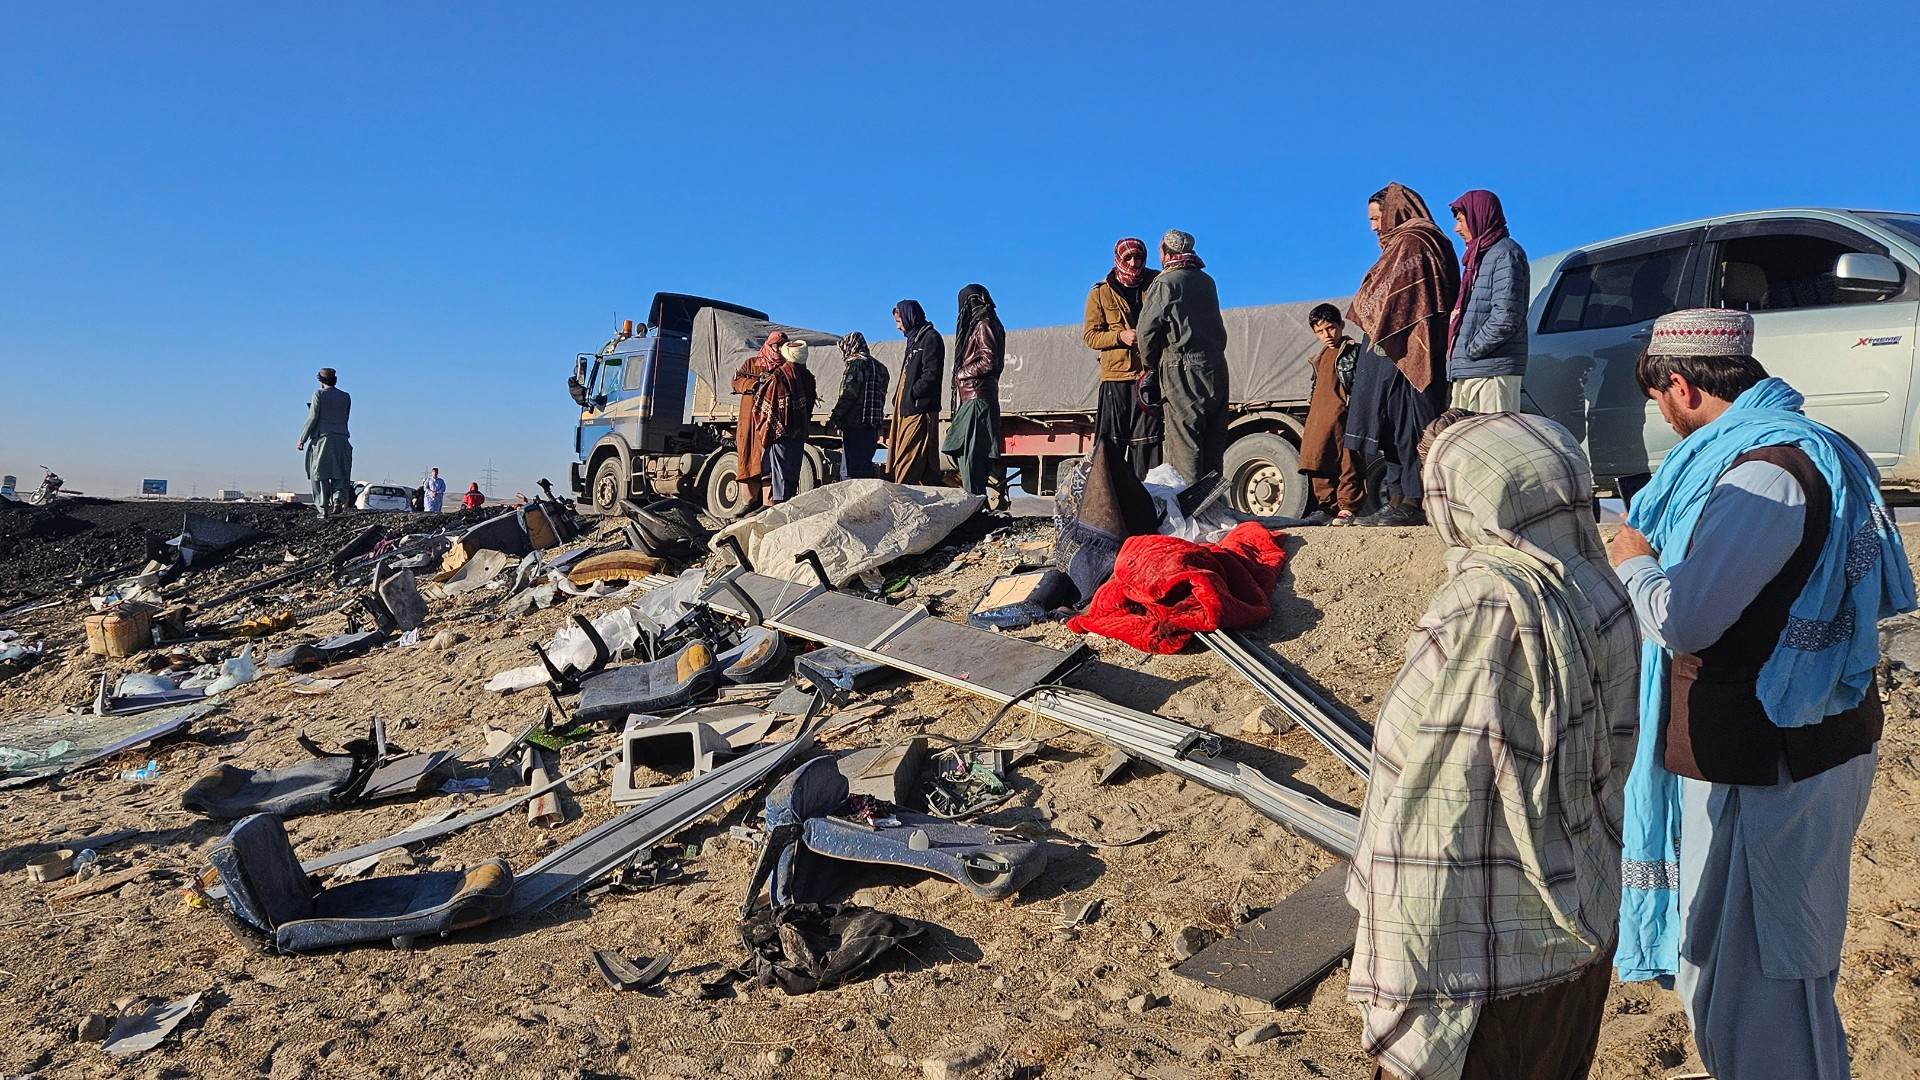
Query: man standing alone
x=329, y=451
x=433, y=493
x=1113, y=308
x=1183, y=337
x=1760, y=561
x=1487, y=338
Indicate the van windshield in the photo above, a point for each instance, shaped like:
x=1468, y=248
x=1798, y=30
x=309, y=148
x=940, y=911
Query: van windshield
x=1907, y=225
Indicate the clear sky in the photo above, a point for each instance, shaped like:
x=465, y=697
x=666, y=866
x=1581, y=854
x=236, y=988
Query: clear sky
x=202, y=203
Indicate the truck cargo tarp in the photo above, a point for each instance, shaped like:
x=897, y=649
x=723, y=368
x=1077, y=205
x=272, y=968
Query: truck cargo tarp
x=1270, y=352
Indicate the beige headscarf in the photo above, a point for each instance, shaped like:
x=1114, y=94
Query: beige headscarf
x=1489, y=856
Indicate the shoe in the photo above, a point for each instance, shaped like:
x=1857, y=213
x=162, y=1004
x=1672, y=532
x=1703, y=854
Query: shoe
x=1344, y=517
x=1397, y=514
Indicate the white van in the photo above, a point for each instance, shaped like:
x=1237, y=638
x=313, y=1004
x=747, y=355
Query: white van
x=1834, y=295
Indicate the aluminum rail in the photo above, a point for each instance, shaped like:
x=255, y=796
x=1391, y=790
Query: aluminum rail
x=1331, y=827
x=1348, y=741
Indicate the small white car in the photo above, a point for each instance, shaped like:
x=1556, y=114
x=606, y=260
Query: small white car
x=382, y=497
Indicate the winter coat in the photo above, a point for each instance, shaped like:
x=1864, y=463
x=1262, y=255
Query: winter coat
x=1180, y=316
x=920, y=374
x=1108, y=313
x=1493, y=324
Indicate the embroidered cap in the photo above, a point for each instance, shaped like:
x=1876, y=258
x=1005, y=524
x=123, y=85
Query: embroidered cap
x=1702, y=332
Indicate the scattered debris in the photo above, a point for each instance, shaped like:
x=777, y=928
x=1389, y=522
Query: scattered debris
x=1275, y=956
x=623, y=974
x=138, y=1032
x=1256, y=1035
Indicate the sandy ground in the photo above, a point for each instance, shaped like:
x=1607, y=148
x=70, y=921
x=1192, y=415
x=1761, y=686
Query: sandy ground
x=518, y=999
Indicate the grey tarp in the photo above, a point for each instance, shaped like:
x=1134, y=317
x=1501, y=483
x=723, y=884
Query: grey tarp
x=1270, y=352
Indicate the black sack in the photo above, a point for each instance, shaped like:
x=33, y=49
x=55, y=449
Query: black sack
x=806, y=947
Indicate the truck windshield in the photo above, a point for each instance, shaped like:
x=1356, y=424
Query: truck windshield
x=1907, y=225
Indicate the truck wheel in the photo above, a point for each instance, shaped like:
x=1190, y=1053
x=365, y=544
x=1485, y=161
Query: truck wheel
x=814, y=469
x=725, y=495
x=1263, y=476
x=609, y=487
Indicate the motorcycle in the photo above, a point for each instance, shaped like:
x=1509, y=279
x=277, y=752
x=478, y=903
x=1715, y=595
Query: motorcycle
x=51, y=487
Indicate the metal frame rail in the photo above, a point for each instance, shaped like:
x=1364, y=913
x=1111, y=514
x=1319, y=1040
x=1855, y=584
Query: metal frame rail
x=1349, y=742
x=1149, y=738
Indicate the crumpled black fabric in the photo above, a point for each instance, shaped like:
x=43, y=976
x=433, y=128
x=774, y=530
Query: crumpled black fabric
x=806, y=947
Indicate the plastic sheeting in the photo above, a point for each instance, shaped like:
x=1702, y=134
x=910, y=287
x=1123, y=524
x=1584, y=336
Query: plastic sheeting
x=1270, y=351
x=854, y=526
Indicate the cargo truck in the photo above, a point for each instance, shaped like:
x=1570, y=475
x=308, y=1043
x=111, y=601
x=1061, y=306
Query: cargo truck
x=657, y=416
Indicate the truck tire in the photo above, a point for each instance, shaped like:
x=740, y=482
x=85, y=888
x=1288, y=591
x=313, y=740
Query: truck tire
x=725, y=496
x=1263, y=476
x=608, y=489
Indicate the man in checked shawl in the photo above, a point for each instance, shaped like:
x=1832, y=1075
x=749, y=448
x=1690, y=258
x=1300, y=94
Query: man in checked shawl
x=861, y=408
x=750, y=434
x=1487, y=875
x=1403, y=307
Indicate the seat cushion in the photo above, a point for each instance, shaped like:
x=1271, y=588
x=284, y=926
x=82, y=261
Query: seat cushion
x=265, y=885
x=407, y=905
x=228, y=793
x=656, y=687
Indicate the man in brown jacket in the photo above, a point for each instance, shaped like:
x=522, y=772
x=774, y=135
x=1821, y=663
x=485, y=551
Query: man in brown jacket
x=1338, y=475
x=1113, y=307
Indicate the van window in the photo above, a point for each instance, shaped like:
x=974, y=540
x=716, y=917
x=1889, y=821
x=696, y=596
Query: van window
x=1616, y=293
x=1779, y=273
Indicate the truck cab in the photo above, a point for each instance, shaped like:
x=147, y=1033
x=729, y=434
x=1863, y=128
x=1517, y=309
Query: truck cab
x=1835, y=300
x=636, y=435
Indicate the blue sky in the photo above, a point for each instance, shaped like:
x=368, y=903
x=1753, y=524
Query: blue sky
x=202, y=203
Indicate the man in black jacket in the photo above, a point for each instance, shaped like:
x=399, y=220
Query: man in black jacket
x=911, y=454
x=1183, y=337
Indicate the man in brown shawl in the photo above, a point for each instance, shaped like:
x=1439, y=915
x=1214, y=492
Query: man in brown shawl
x=783, y=407
x=1400, y=382
x=751, y=435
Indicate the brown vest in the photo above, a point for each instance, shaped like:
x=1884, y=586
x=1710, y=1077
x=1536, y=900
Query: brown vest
x=1717, y=729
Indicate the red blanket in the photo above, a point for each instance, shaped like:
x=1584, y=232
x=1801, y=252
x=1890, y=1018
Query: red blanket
x=1165, y=589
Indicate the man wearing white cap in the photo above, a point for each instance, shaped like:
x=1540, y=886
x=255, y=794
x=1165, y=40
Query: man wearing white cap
x=1760, y=560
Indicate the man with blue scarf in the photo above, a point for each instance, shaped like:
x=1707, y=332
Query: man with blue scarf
x=1760, y=561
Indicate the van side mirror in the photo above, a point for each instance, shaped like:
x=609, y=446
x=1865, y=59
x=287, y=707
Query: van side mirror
x=1863, y=275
